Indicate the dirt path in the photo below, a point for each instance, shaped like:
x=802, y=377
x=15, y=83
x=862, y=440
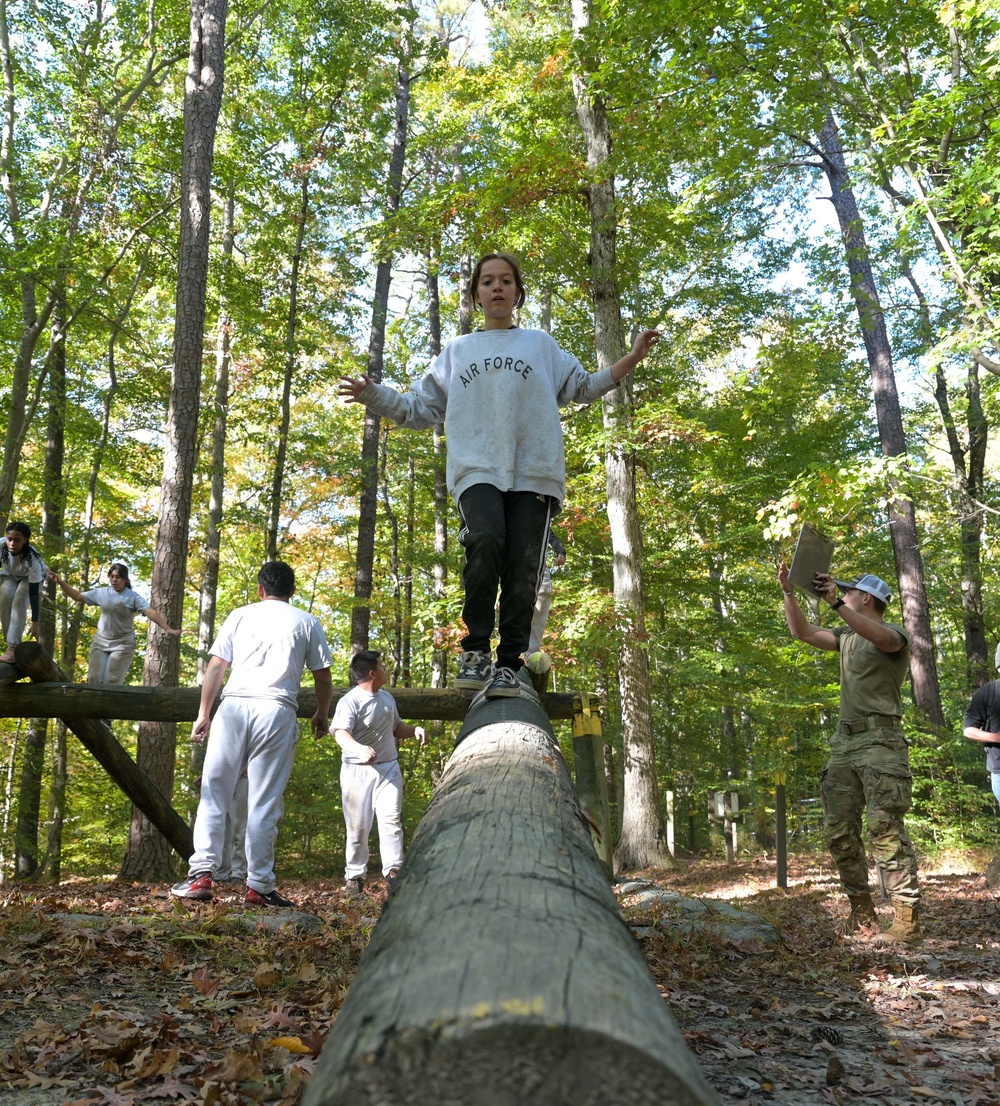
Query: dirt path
x=115, y=996
x=833, y=1020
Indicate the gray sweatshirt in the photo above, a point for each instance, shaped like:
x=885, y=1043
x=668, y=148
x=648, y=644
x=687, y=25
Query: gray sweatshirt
x=498, y=393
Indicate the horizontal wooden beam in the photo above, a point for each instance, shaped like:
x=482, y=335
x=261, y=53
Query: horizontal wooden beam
x=180, y=704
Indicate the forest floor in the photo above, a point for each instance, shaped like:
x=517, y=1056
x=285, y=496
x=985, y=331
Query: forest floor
x=115, y=995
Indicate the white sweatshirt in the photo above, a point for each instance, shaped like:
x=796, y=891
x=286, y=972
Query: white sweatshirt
x=498, y=393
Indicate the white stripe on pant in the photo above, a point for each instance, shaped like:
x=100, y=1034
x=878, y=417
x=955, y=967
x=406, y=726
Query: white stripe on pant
x=372, y=792
x=258, y=735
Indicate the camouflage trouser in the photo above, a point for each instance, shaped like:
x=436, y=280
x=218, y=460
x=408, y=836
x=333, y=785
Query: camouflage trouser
x=870, y=771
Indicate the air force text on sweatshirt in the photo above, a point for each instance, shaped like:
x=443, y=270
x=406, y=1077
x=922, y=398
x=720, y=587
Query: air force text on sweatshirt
x=498, y=393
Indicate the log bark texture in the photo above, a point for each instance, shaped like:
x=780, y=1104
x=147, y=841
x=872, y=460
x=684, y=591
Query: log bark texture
x=501, y=971
x=101, y=743
x=180, y=704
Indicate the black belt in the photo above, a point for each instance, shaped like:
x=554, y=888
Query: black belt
x=872, y=722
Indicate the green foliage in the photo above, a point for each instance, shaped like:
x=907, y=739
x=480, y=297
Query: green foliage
x=753, y=415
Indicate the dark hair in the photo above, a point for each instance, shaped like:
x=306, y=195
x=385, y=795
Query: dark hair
x=28, y=552
x=122, y=571
x=515, y=269
x=364, y=663
x=879, y=604
x=277, y=579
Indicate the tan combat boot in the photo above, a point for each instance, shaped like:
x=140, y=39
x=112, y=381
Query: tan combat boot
x=905, y=930
x=862, y=913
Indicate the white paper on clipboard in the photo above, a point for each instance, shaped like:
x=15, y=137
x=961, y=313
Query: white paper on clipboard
x=813, y=553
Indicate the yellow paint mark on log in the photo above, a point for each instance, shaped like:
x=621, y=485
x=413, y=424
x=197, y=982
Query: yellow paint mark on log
x=517, y=1007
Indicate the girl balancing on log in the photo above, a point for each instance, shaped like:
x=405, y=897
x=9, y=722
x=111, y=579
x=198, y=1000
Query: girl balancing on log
x=113, y=646
x=22, y=571
x=498, y=393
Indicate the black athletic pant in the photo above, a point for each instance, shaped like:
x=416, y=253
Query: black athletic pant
x=504, y=537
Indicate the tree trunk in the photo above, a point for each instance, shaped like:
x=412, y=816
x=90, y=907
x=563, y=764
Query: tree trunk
x=213, y=533
x=368, y=502
x=28, y=862
x=277, y=484
x=643, y=839
x=500, y=970
x=148, y=856
x=902, y=517
x=439, y=660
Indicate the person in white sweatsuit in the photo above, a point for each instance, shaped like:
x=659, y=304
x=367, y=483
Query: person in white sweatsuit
x=255, y=730
x=367, y=727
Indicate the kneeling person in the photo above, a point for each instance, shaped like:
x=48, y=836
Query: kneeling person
x=367, y=726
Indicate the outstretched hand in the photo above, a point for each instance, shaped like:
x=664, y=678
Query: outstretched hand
x=351, y=388
x=644, y=342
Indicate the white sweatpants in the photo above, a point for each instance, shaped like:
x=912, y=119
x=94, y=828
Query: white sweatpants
x=109, y=666
x=257, y=736
x=13, y=608
x=372, y=792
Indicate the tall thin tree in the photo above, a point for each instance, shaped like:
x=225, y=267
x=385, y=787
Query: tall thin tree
x=148, y=855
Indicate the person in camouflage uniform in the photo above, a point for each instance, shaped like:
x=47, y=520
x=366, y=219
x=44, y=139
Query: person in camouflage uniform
x=868, y=770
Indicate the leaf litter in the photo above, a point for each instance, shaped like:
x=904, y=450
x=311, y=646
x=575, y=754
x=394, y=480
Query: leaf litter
x=116, y=995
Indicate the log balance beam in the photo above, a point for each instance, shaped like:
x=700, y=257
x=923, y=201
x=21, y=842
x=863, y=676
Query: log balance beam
x=501, y=971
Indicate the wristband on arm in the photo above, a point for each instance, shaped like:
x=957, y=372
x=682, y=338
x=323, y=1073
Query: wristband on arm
x=33, y=590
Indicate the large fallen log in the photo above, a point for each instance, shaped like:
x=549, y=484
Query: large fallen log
x=501, y=971
x=100, y=741
x=180, y=704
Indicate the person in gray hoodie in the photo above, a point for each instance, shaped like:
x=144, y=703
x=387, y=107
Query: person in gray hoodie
x=498, y=392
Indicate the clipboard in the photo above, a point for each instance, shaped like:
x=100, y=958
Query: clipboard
x=813, y=553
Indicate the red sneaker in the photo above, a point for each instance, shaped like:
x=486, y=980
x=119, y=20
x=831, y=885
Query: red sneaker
x=255, y=898
x=196, y=885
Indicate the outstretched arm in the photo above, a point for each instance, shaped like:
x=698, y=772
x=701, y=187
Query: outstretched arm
x=155, y=616
x=67, y=589
x=798, y=625
x=640, y=348
x=351, y=387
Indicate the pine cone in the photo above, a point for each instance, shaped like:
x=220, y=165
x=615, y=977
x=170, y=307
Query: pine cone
x=827, y=1033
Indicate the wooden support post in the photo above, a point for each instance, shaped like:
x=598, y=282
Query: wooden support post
x=731, y=809
x=591, y=781
x=668, y=799
x=780, y=829
x=99, y=741
x=500, y=970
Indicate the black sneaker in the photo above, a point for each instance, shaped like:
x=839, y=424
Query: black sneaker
x=474, y=670
x=354, y=886
x=390, y=879
x=256, y=898
x=195, y=885
x=505, y=683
